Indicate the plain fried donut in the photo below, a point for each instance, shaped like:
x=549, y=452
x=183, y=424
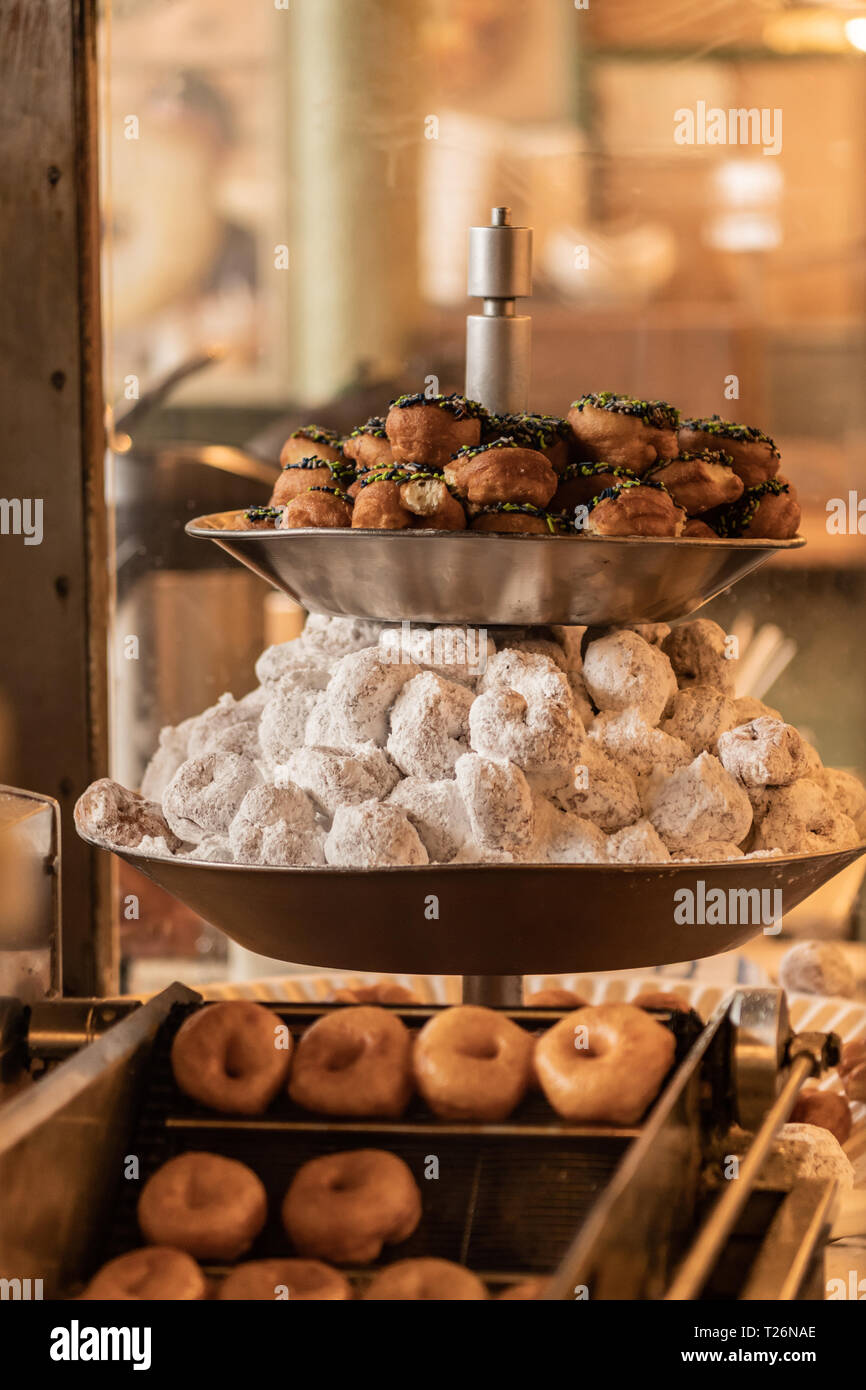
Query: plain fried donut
x=355, y=1062
x=155, y=1274
x=383, y=992
x=472, y=1064
x=211, y=1207
x=604, y=1064
x=298, y=1281
x=553, y=999
x=226, y=1057
x=344, y=1207
x=427, y=1279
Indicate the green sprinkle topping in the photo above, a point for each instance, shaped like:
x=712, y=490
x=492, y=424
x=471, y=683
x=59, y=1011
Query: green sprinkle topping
x=659, y=414
x=591, y=470
x=375, y=426
x=728, y=429
x=263, y=513
x=533, y=431
x=610, y=494
x=318, y=435
x=734, y=520
x=527, y=508
x=312, y=461
x=455, y=404
x=471, y=451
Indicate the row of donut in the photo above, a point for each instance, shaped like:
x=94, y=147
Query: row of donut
x=600, y=1064
x=616, y=466
x=165, y=1274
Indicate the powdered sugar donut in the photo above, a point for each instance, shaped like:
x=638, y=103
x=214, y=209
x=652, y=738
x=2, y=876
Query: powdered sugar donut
x=562, y=838
x=172, y=751
x=498, y=801
x=429, y=726
x=525, y=713
x=801, y=819
x=458, y=654
x=654, y=633
x=628, y=738
x=805, y=1151
x=354, y=707
x=284, y=720
x=204, y=794
x=337, y=637
x=698, y=715
x=844, y=789
x=437, y=812
x=817, y=967
x=711, y=851
x=766, y=752
x=698, y=803
x=622, y=671
x=107, y=811
x=276, y=825
x=601, y=790
x=473, y=853
x=297, y=658
x=373, y=835
x=697, y=652
x=567, y=657
x=228, y=726
x=637, y=844
x=213, y=849
x=334, y=777
x=748, y=707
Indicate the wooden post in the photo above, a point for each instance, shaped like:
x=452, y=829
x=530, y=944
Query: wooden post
x=54, y=609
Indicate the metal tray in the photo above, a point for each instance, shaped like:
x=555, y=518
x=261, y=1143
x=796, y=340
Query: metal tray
x=485, y=919
x=463, y=577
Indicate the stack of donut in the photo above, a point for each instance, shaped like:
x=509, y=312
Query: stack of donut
x=595, y=1065
x=615, y=466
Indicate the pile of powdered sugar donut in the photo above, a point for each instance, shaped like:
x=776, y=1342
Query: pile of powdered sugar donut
x=369, y=745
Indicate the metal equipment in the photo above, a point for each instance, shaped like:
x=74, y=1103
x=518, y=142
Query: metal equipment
x=619, y=1212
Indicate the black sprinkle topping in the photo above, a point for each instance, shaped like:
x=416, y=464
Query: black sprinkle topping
x=455, y=404
x=733, y=520
x=397, y=475
x=657, y=413
x=335, y=492
x=374, y=426
x=311, y=462
x=728, y=429
x=527, y=508
x=591, y=470
x=263, y=513
x=534, y=431
x=611, y=493
x=318, y=435
x=470, y=451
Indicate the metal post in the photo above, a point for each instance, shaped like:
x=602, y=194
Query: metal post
x=53, y=621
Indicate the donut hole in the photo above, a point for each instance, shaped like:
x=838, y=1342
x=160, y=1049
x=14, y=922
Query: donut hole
x=346, y=1052
x=235, y=1064
x=481, y=1049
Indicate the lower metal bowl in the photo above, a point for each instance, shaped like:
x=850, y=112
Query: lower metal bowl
x=502, y=919
x=464, y=577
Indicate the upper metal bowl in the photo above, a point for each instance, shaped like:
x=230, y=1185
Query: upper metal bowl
x=492, y=919
x=464, y=577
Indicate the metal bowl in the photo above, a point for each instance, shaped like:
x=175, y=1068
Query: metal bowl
x=467, y=919
x=464, y=577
